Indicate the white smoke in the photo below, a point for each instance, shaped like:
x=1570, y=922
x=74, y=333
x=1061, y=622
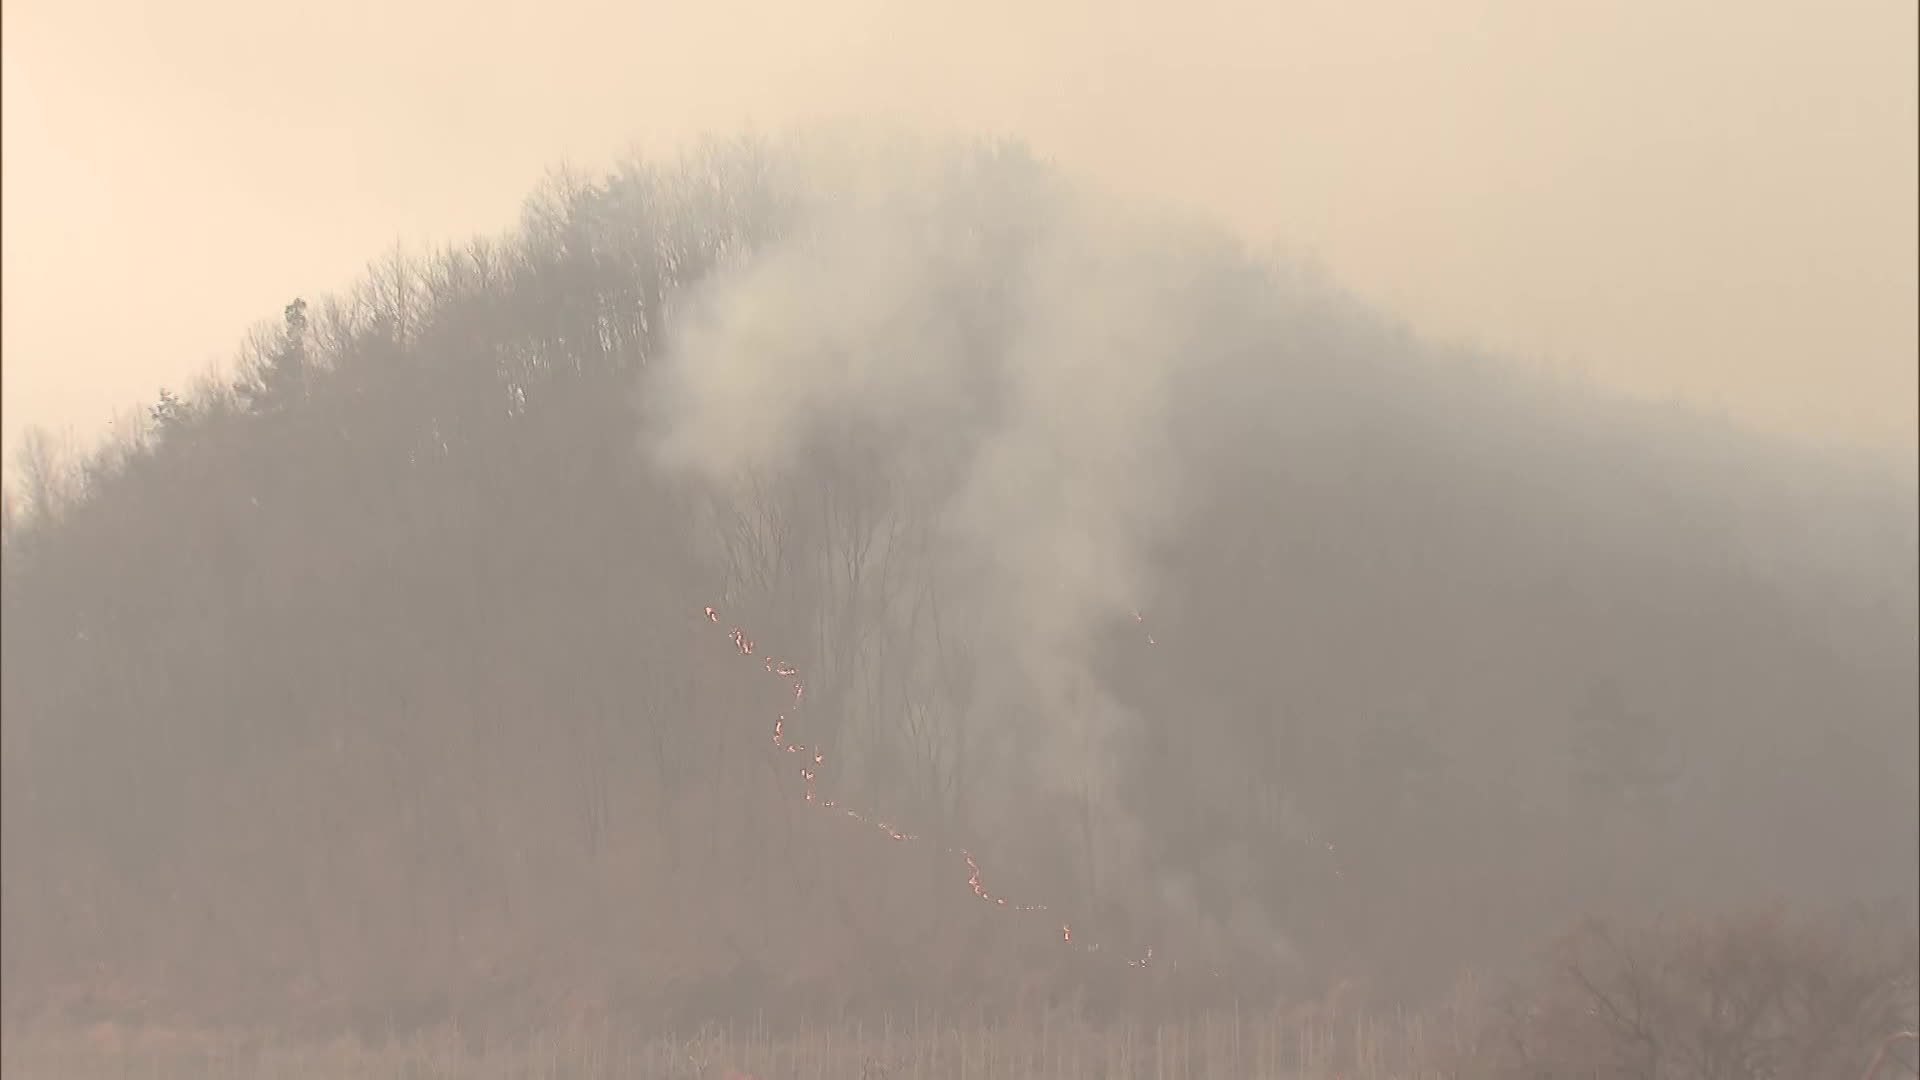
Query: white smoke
x=1001, y=358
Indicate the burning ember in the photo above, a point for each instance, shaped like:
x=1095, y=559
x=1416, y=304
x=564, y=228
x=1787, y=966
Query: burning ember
x=786, y=671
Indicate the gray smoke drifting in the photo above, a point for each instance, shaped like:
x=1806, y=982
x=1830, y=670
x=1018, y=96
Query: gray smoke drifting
x=992, y=365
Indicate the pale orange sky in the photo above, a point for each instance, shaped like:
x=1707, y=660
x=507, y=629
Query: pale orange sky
x=1704, y=198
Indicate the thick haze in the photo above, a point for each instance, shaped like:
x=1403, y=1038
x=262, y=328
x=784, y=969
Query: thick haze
x=1695, y=198
x=1398, y=515
x=692, y=603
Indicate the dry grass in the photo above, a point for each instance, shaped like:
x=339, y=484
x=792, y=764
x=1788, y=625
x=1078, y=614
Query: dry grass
x=1052, y=1046
x=1754, y=995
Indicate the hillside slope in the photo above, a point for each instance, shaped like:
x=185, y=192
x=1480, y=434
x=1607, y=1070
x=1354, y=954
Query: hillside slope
x=1193, y=600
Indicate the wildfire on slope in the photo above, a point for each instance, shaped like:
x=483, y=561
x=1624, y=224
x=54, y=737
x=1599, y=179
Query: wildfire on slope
x=809, y=773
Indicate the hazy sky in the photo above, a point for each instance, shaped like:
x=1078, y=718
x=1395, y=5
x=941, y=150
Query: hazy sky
x=1714, y=199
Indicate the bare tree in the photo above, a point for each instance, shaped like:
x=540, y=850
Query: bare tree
x=46, y=473
x=1744, y=997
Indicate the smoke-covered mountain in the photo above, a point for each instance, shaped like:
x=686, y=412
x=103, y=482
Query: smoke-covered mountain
x=1171, y=588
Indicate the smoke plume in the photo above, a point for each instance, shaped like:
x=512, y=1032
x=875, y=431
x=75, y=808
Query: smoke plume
x=993, y=361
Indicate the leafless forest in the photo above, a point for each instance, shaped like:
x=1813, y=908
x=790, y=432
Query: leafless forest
x=807, y=607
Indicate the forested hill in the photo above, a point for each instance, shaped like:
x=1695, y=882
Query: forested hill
x=1193, y=600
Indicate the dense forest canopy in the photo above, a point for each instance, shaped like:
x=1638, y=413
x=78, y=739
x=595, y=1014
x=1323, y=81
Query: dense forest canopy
x=1185, y=595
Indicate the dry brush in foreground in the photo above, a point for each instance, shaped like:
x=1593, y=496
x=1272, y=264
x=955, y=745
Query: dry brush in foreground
x=1757, y=996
